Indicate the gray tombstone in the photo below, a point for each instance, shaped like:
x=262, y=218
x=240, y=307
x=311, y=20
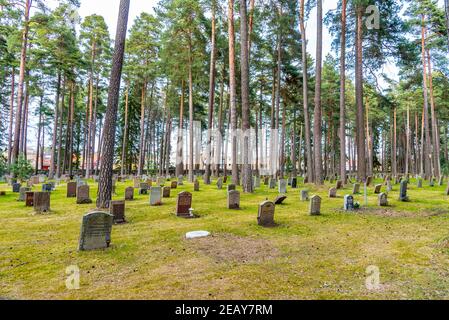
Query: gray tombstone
x=71, y=190
x=432, y=182
x=174, y=185
x=180, y=180
x=96, y=231
x=83, y=195
x=166, y=192
x=231, y=187
x=41, y=202
x=196, y=186
x=143, y=190
x=233, y=200
x=155, y=196
x=315, y=205
x=256, y=182
x=117, y=210
x=403, y=192
x=332, y=192
x=265, y=215
x=282, y=186
x=339, y=184
x=220, y=183
x=389, y=186
x=383, y=200
x=129, y=194
x=356, y=188
x=304, y=195
x=22, y=193
x=348, y=203
x=419, y=183
x=16, y=187
x=378, y=188
x=272, y=184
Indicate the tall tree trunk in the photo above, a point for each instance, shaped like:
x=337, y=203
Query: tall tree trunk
x=61, y=111
x=39, y=130
x=23, y=60
x=343, y=94
x=360, y=119
x=125, y=130
x=142, y=129
x=191, y=164
x=407, y=151
x=105, y=182
x=317, y=116
x=180, y=144
x=446, y=6
x=72, y=120
x=247, y=180
x=11, y=114
x=427, y=140
x=307, y=143
x=55, y=127
x=211, y=97
x=232, y=91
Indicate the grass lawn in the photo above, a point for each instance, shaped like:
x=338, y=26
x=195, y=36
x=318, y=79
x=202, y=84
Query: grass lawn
x=303, y=257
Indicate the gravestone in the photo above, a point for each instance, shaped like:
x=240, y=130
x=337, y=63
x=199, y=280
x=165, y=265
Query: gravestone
x=432, y=182
x=71, y=190
x=294, y=183
x=220, y=183
x=348, y=203
x=29, y=199
x=282, y=186
x=129, y=194
x=136, y=183
x=378, y=188
x=339, y=184
x=22, y=193
x=16, y=187
x=389, y=186
x=35, y=179
x=256, y=182
x=2, y=193
x=41, y=202
x=183, y=204
x=117, y=210
x=266, y=180
x=304, y=195
x=315, y=206
x=419, y=183
x=369, y=179
x=356, y=188
x=383, y=200
x=231, y=187
x=166, y=192
x=272, y=183
x=96, y=231
x=155, y=196
x=280, y=199
x=196, y=186
x=174, y=185
x=46, y=187
x=403, y=192
x=225, y=179
x=265, y=215
x=180, y=181
x=143, y=190
x=83, y=195
x=332, y=192
x=233, y=200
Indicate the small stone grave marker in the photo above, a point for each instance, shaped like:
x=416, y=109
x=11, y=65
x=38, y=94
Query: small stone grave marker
x=117, y=210
x=41, y=202
x=83, y=195
x=96, y=231
x=265, y=216
x=233, y=200
x=155, y=196
x=315, y=206
x=183, y=204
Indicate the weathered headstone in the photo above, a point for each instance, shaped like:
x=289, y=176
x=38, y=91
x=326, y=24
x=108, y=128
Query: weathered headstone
x=265, y=215
x=383, y=200
x=117, y=210
x=71, y=190
x=196, y=186
x=220, y=183
x=282, y=186
x=29, y=199
x=389, y=186
x=96, y=231
x=332, y=192
x=47, y=187
x=403, y=192
x=83, y=195
x=356, y=188
x=304, y=195
x=155, y=196
x=294, y=183
x=166, y=192
x=231, y=187
x=174, y=185
x=22, y=193
x=272, y=183
x=233, y=200
x=143, y=188
x=41, y=202
x=315, y=205
x=129, y=194
x=348, y=203
x=16, y=187
x=378, y=188
x=183, y=204
x=369, y=179
x=136, y=183
x=339, y=184
x=266, y=180
x=419, y=183
x=280, y=199
x=256, y=182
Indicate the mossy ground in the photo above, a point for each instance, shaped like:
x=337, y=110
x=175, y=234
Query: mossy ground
x=303, y=257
